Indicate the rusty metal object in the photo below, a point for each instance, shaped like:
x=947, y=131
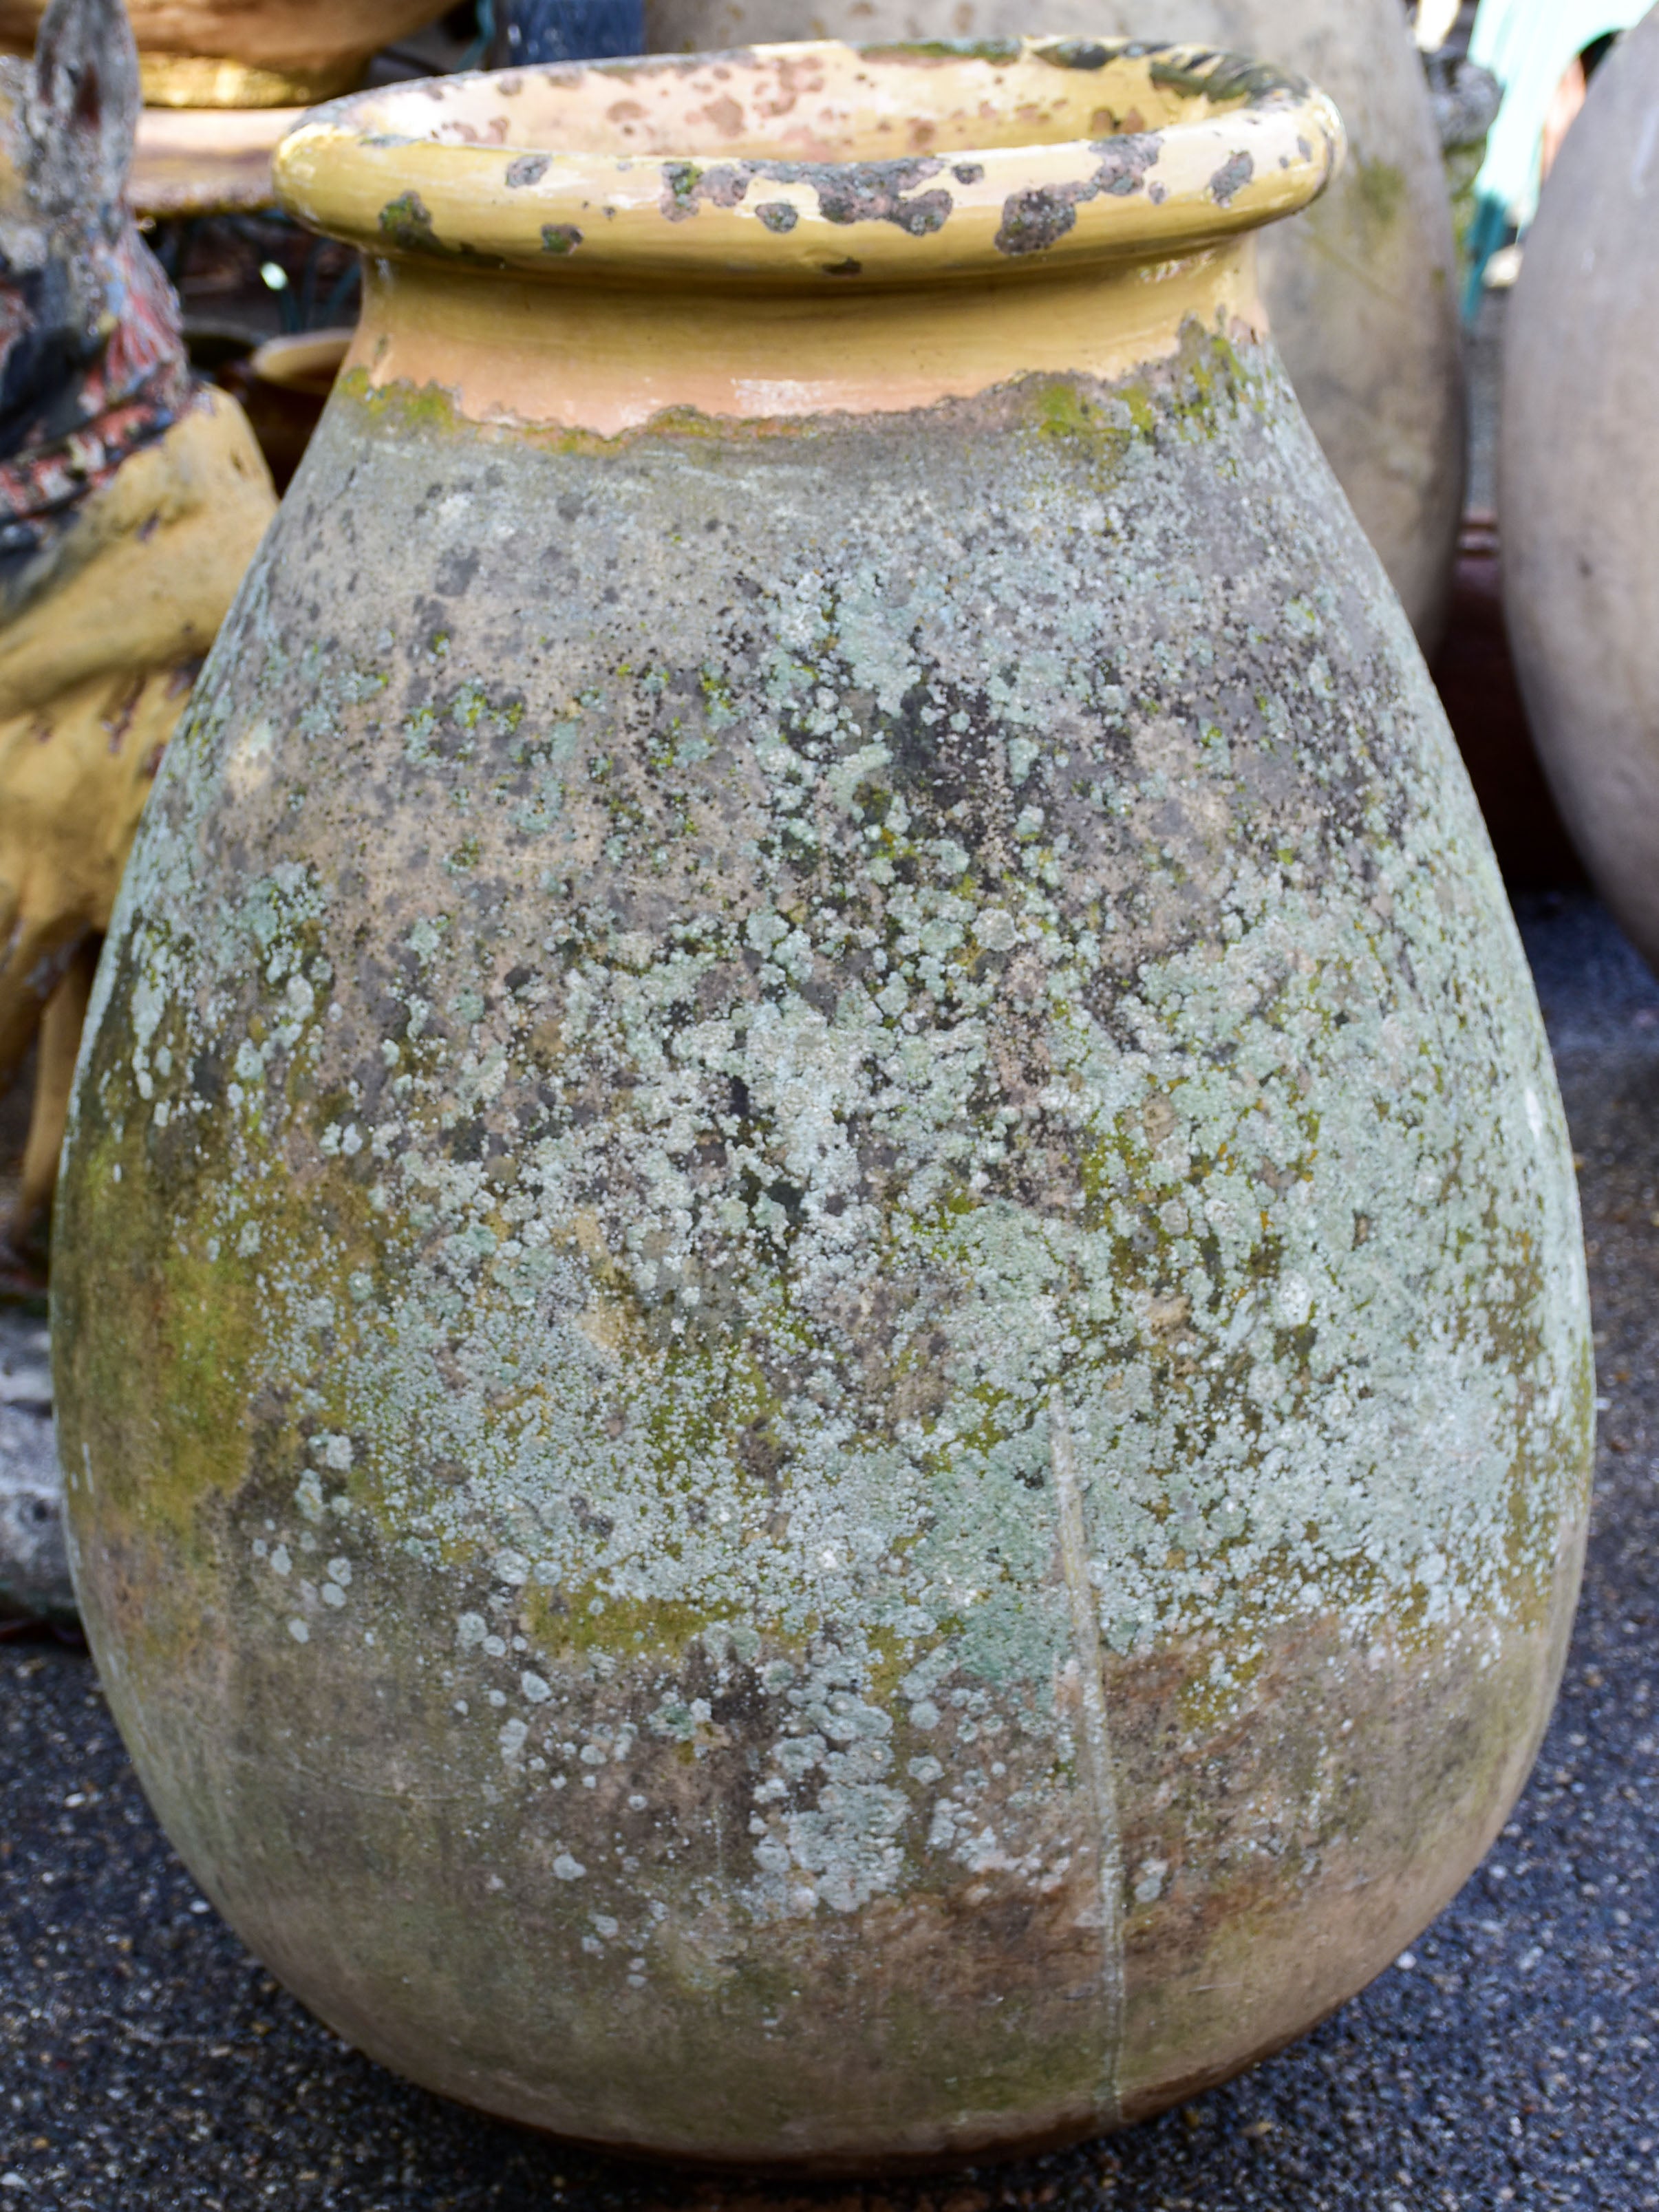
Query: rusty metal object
x=859, y=1423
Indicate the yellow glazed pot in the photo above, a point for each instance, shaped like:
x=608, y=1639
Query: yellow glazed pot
x=820, y=1327
x=244, y=54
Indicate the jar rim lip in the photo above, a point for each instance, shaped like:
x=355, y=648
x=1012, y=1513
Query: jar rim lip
x=788, y=165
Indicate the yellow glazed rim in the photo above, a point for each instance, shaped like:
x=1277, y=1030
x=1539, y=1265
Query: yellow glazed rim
x=790, y=165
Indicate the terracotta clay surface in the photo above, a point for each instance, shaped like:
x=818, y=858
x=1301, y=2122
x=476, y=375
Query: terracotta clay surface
x=244, y=54
x=1579, y=483
x=1475, y=674
x=821, y=1339
x=1361, y=288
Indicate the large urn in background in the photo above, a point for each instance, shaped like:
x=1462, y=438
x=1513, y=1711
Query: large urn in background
x=1578, y=482
x=1362, y=290
x=820, y=1327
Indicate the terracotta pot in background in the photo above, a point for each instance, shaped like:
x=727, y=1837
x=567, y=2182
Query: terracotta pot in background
x=1578, y=482
x=244, y=54
x=283, y=386
x=1362, y=288
x=859, y=1421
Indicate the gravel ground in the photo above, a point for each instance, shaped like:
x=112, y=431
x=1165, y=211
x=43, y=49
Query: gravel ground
x=148, y=2063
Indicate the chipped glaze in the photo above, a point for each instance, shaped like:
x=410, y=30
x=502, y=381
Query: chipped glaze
x=821, y=1333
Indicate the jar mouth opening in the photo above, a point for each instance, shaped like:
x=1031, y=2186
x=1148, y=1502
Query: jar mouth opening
x=930, y=157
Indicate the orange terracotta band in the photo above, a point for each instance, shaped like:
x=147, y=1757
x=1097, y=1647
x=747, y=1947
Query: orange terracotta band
x=607, y=359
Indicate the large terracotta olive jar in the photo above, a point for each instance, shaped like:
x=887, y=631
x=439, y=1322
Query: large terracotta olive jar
x=1362, y=288
x=1578, y=482
x=821, y=1331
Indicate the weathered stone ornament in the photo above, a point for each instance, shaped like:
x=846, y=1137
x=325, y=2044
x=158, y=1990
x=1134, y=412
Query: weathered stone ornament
x=858, y=1418
x=1578, y=460
x=131, y=502
x=1362, y=288
x=244, y=54
x=35, y=1575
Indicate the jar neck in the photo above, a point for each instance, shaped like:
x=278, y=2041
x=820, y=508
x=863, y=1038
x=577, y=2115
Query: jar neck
x=603, y=361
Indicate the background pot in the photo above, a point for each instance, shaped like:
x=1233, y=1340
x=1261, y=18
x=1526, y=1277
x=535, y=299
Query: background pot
x=820, y=1319
x=283, y=386
x=244, y=54
x=1579, y=483
x=1362, y=288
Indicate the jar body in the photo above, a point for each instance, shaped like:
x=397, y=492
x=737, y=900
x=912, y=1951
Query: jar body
x=1361, y=288
x=820, y=1321
x=1581, y=556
